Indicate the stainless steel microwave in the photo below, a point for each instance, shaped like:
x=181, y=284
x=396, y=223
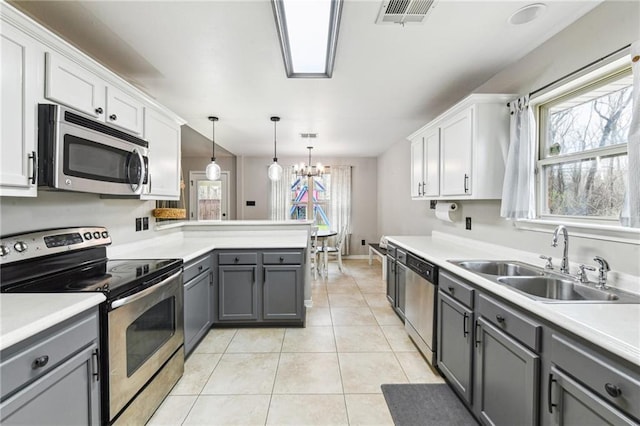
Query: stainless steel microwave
x=77, y=153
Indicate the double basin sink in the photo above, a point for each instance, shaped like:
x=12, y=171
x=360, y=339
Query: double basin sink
x=542, y=284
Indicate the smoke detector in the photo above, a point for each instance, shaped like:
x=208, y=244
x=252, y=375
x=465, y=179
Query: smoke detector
x=404, y=11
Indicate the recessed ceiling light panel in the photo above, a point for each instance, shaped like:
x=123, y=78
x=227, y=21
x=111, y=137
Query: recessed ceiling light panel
x=527, y=14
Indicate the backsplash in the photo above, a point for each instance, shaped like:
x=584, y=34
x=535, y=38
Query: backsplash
x=61, y=209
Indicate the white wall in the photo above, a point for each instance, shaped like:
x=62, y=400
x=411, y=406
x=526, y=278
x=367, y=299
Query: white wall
x=253, y=185
x=62, y=209
x=607, y=28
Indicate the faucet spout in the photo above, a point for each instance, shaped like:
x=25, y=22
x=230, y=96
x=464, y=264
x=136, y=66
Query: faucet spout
x=564, y=266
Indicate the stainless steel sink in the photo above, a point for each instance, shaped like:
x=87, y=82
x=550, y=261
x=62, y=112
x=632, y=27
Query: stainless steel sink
x=543, y=284
x=499, y=267
x=548, y=287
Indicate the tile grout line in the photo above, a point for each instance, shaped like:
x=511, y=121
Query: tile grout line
x=275, y=377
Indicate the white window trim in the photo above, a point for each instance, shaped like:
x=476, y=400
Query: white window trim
x=592, y=228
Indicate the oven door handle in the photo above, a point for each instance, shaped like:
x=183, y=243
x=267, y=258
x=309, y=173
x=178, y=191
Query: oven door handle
x=130, y=299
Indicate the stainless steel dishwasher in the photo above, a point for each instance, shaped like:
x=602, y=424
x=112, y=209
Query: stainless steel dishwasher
x=420, y=308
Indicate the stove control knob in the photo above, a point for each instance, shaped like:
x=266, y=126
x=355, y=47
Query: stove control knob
x=96, y=235
x=105, y=234
x=87, y=236
x=4, y=250
x=20, y=246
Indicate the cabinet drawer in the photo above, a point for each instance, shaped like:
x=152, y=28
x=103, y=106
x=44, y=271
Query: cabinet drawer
x=282, y=258
x=50, y=350
x=516, y=324
x=598, y=373
x=391, y=251
x=196, y=267
x=237, y=258
x=401, y=256
x=457, y=289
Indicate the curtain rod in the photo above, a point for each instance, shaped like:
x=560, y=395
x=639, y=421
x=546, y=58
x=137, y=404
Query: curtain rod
x=572, y=73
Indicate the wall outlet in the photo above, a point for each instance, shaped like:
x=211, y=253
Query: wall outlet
x=145, y=223
x=467, y=223
x=138, y=224
x=362, y=242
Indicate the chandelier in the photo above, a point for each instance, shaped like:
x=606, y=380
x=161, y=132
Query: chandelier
x=307, y=169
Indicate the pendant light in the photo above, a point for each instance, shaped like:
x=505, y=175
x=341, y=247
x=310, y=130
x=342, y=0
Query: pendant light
x=213, y=169
x=275, y=169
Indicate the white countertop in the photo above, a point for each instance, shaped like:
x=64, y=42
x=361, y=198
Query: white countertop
x=613, y=326
x=25, y=314
x=189, y=246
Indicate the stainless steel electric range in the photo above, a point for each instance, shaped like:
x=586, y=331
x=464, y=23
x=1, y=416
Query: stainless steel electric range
x=141, y=322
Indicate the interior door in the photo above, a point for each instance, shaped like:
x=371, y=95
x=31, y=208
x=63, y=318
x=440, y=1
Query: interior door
x=208, y=199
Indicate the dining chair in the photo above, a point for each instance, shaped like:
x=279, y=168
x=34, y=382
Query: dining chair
x=314, y=250
x=335, y=250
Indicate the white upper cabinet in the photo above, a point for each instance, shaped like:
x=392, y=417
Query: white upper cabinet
x=425, y=164
x=431, y=186
x=73, y=85
x=123, y=110
x=464, y=150
x=417, y=166
x=163, y=135
x=18, y=112
x=457, y=149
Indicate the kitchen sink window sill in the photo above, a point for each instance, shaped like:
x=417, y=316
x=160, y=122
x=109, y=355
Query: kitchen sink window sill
x=590, y=230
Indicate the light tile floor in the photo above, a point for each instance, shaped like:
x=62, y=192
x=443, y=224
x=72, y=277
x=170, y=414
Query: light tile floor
x=328, y=373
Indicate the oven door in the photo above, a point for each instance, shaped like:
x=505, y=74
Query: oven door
x=144, y=330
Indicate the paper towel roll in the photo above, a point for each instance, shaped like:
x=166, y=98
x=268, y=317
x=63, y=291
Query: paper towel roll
x=444, y=211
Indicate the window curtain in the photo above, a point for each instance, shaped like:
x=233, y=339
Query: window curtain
x=341, y=201
x=280, y=200
x=518, y=190
x=630, y=215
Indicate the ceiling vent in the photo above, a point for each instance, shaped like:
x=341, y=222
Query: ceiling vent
x=404, y=11
x=308, y=135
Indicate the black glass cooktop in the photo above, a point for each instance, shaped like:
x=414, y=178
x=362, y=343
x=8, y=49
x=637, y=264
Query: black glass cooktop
x=112, y=277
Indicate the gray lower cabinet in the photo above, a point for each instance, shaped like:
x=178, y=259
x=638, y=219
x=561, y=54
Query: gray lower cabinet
x=585, y=389
x=53, y=379
x=263, y=287
x=237, y=293
x=396, y=279
x=571, y=403
x=455, y=344
x=281, y=292
x=197, y=301
x=506, y=378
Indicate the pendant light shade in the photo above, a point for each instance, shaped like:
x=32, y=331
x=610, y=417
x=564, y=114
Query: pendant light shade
x=275, y=169
x=213, y=170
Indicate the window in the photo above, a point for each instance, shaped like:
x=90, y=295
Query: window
x=321, y=198
x=582, y=163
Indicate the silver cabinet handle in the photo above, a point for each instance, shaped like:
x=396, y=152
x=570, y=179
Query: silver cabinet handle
x=466, y=183
x=419, y=189
x=34, y=167
x=130, y=299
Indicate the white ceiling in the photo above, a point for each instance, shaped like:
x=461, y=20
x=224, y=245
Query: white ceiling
x=222, y=58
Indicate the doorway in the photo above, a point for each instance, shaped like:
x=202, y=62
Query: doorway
x=208, y=199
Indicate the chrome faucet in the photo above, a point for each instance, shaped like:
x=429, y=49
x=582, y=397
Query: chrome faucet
x=564, y=266
x=602, y=272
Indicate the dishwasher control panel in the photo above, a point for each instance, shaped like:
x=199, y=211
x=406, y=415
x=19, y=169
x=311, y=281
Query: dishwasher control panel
x=423, y=268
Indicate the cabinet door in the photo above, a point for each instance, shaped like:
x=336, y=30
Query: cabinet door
x=237, y=293
x=282, y=297
x=197, y=318
x=401, y=285
x=163, y=135
x=573, y=404
x=457, y=148
x=18, y=112
x=455, y=344
x=74, y=86
x=417, y=167
x=431, y=187
x=123, y=110
x=507, y=378
x=391, y=280
x=67, y=395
